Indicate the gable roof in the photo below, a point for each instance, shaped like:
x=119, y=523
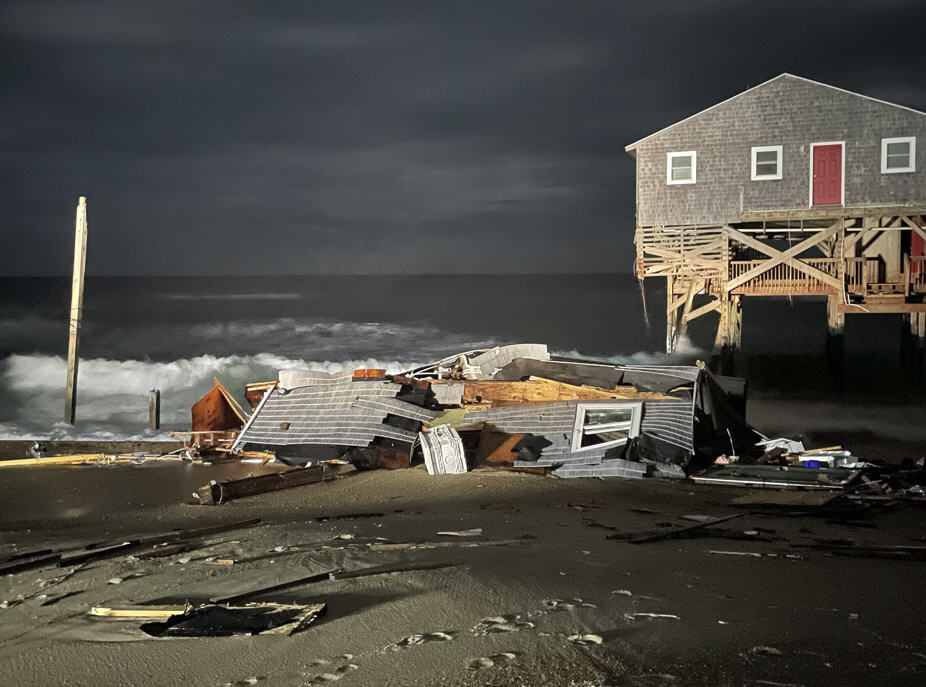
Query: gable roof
x=780, y=77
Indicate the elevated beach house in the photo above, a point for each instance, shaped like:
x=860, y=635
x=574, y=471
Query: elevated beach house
x=792, y=187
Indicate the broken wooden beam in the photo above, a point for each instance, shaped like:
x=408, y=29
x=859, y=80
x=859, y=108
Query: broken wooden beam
x=138, y=612
x=670, y=534
x=215, y=493
x=298, y=582
x=445, y=544
x=390, y=569
x=21, y=565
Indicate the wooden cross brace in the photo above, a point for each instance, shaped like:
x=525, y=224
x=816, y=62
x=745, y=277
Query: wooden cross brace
x=787, y=256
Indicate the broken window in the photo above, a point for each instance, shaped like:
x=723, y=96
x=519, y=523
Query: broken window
x=604, y=425
x=681, y=168
x=898, y=154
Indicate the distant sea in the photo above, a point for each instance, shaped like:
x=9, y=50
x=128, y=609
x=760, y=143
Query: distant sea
x=177, y=333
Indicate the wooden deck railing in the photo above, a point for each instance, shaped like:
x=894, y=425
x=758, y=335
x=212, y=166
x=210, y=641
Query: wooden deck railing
x=860, y=272
x=918, y=274
x=784, y=279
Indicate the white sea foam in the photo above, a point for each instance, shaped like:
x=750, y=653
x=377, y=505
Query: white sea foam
x=112, y=397
x=684, y=353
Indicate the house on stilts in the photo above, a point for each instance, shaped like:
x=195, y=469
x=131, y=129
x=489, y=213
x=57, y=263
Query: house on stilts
x=790, y=188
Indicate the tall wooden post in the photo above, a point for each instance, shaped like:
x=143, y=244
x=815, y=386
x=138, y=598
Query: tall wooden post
x=77, y=307
x=671, y=315
x=154, y=409
x=693, y=287
x=729, y=335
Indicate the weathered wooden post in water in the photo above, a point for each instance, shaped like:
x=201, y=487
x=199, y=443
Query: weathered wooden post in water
x=77, y=308
x=154, y=409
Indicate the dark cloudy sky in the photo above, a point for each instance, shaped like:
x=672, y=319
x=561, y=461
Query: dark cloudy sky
x=323, y=137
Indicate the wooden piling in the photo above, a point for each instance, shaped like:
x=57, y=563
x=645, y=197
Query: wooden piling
x=154, y=409
x=77, y=307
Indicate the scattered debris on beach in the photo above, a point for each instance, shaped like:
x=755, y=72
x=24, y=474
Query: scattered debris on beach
x=511, y=408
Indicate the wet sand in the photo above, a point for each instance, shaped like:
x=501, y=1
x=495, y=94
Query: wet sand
x=503, y=616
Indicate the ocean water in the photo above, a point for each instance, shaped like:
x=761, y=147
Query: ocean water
x=177, y=333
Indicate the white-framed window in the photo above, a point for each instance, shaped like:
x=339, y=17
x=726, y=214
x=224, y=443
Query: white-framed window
x=898, y=154
x=602, y=425
x=766, y=162
x=682, y=168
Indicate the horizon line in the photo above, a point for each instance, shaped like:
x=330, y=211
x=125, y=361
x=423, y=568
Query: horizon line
x=316, y=274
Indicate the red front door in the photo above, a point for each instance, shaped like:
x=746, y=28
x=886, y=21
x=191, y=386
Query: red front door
x=827, y=175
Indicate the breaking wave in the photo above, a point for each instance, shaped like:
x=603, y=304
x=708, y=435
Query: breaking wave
x=685, y=354
x=112, y=395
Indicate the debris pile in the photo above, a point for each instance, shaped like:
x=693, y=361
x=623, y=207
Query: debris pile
x=511, y=407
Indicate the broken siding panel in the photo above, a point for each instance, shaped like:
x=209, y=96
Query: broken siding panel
x=670, y=421
x=608, y=468
x=290, y=379
x=685, y=372
x=336, y=413
x=396, y=407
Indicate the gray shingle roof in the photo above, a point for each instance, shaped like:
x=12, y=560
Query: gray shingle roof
x=344, y=413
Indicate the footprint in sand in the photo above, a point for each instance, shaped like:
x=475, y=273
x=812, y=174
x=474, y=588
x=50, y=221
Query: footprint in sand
x=564, y=605
x=501, y=623
x=335, y=676
x=426, y=637
x=493, y=660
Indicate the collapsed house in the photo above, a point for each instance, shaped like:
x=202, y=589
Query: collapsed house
x=510, y=407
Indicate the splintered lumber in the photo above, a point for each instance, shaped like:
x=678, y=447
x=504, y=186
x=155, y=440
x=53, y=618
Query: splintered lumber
x=298, y=582
x=539, y=389
x=916, y=553
x=24, y=554
x=95, y=554
x=445, y=544
x=139, y=612
x=671, y=534
x=21, y=565
x=108, y=550
x=390, y=569
x=83, y=459
x=215, y=493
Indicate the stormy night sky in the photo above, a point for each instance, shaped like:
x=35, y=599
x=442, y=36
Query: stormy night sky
x=379, y=137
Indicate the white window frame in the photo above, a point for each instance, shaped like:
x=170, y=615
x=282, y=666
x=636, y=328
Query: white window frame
x=900, y=139
x=755, y=156
x=633, y=426
x=694, y=167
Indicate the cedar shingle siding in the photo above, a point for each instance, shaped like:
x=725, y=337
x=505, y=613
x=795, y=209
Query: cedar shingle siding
x=787, y=111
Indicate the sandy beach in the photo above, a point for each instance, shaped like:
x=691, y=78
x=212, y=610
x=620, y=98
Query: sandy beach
x=542, y=597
